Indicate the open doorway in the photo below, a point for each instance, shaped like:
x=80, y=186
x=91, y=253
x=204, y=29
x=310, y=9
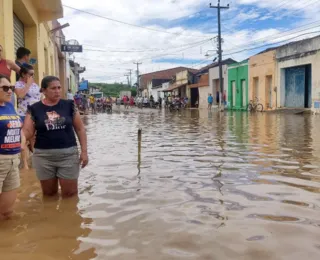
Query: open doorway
x=234, y=93
x=269, y=89
x=194, y=97
x=298, y=86
x=243, y=93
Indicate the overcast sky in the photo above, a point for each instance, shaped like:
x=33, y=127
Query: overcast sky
x=171, y=33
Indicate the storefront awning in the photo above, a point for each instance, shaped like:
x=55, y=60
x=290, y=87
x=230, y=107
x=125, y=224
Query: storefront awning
x=173, y=87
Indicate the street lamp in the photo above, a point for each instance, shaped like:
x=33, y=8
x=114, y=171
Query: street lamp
x=207, y=53
x=60, y=27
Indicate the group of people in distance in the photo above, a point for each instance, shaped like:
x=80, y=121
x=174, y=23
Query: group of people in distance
x=47, y=122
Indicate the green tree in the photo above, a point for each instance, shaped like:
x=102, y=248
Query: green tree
x=112, y=90
x=133, y=92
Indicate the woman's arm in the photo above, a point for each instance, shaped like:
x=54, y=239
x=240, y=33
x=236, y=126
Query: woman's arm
x=82, y=136
x=28, y=127
x=13, y=66
x=22, y=92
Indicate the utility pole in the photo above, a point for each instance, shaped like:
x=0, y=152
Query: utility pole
x=130, y=77
x=128, y=81
x=219, y=7
x=138, y=85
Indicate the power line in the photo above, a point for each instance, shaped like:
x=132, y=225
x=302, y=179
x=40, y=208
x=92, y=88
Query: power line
x=270, y=44
x=195, y=44
x=299, y=9
x=167, y=54
x=129, y=24
x=147, y=50
x=261, y=40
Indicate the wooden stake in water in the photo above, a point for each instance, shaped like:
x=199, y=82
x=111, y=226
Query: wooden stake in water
x=139, y=145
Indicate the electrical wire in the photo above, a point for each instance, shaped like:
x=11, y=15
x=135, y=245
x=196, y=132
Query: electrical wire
x=146, y=50
x=299, y=9
x=271, y=44
x=264, y=39
x=129, y=24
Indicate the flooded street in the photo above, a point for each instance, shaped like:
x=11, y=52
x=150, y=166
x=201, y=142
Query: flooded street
x=209, y=186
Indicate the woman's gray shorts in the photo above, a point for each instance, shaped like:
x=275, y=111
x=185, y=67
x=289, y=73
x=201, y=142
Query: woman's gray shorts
x=56, y=163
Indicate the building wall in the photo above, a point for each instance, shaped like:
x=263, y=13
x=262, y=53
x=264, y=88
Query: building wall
x=154, y=93
x=72, y=82
x=301, y=53
x=314, y=60
x=164, y=87
x=203, y=96
x=238, y=73
x=37, y=34
x=182, y=77
x=214, y=84
x=149, y=89
x=262, y=79
x=61, y=59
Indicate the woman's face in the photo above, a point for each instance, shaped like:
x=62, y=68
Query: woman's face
x=28, y=75
x=53, y=91
x=5, y=90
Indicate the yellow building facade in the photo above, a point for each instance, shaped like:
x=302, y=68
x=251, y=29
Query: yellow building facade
x=27, y=23
x=262, y=78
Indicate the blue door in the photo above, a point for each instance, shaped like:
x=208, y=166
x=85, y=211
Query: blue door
x=295, y=87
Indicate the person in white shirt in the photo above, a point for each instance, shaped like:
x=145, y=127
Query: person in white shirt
x=28, y=93
x=69, y=95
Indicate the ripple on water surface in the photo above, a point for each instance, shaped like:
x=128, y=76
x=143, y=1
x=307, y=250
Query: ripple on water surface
x=208, y=186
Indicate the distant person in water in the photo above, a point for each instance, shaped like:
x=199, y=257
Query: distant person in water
x=210, y=101
x=56, y=157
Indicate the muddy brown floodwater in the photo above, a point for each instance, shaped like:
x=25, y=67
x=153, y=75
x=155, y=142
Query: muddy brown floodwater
x=209, y=186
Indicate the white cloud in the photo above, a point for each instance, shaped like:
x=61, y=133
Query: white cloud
x=120, y=44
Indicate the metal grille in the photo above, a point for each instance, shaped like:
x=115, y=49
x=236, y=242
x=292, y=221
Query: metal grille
x=18, y=33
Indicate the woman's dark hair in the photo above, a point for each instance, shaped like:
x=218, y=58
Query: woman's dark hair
x=47, y=80
x=4, y=77
x=25, y=68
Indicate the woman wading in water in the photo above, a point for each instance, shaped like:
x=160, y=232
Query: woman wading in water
x=56, y=157
x=10, y=147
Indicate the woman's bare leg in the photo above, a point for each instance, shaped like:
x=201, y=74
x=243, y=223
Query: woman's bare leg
x=25, y=157
x=69, y=188
x=7, y=200
x=49, y=187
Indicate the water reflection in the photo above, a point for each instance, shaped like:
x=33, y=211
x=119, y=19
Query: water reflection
x=207, y=186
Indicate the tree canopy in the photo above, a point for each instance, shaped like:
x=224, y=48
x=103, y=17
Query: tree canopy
x=113, y=89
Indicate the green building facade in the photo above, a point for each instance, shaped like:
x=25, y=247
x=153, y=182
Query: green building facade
x=238, y=82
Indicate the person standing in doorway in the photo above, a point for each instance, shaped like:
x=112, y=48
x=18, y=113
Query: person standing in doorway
x=210, y=101
x=10, y=147
x=23, y=57
x=224, y=98
x=56, y=157
x=28, y=93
